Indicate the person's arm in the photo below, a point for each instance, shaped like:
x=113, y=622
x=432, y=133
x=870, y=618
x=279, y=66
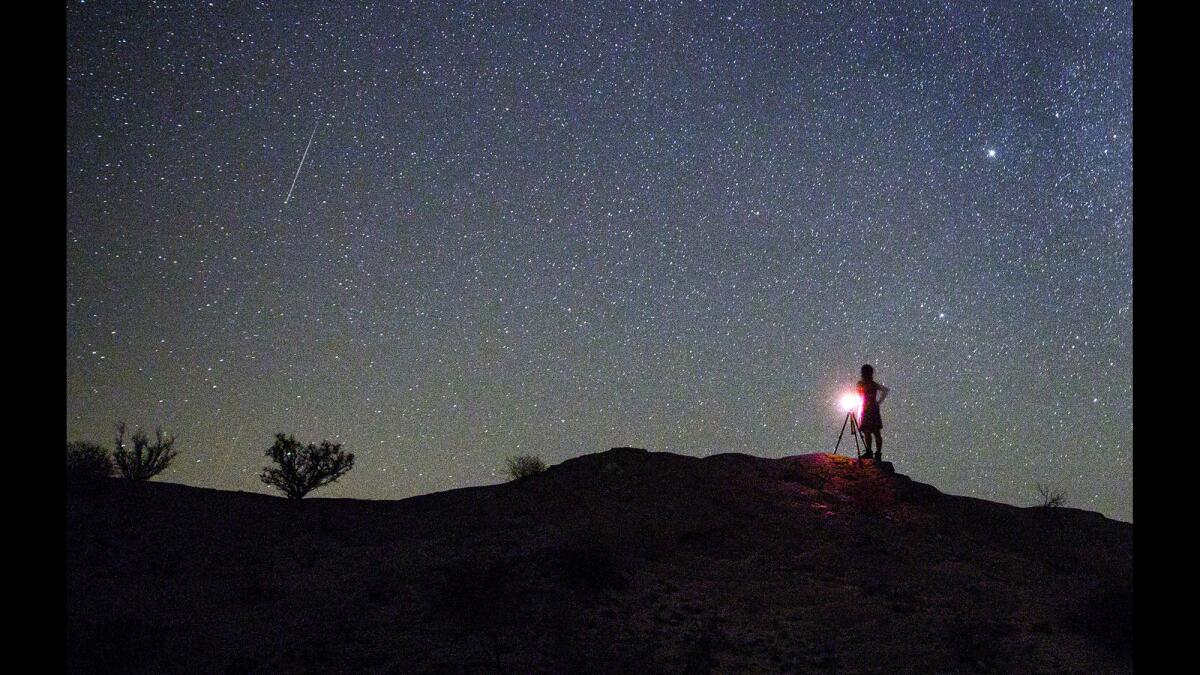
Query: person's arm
x=883, y=392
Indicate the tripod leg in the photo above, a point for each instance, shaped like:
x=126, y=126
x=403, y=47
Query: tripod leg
x=854, y=430
x=839, y=440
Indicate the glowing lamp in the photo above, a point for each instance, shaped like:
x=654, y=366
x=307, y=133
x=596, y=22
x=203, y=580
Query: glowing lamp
x=851, y=402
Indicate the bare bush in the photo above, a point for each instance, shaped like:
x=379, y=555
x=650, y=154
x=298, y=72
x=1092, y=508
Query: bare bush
x=145, y=460
x=87, y=461
x=304, y=468
x=1051, y=498
x=520, y=466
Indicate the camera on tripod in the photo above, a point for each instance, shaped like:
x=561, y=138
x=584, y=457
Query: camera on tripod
x=853, y=405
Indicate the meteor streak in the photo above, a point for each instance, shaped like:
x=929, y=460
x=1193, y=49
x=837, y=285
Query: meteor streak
x=302, y=158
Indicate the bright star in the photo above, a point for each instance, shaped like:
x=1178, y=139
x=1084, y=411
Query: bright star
x=991, y=153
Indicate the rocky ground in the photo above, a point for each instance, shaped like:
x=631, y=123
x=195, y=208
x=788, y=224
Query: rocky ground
x=620, y=561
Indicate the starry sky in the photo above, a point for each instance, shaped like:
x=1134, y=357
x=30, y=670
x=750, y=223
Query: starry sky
x=559, y=227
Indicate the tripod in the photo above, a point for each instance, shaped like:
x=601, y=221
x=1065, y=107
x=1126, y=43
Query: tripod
x=853, y=431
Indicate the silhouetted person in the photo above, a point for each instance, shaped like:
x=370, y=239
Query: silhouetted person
x=871, y=424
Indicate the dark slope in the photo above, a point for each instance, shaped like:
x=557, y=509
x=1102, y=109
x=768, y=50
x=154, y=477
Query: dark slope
x=620, y=561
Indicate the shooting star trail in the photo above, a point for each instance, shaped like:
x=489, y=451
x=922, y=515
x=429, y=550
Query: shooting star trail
x=302, y=158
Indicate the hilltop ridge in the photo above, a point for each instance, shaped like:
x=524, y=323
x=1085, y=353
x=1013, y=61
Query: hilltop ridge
x=618, y=561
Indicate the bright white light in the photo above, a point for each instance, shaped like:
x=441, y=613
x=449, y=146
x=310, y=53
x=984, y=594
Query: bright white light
x=991, y=153
x=851, y=402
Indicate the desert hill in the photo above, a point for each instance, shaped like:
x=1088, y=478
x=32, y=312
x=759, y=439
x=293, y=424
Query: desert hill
x=619, y=561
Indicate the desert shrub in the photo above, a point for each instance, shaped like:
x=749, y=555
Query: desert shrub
x=1051, y=498
x=145, y=460
x=524, y=465
x=304, y=468
x=87, y=461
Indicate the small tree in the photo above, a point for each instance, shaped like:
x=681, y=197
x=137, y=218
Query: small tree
x=524, y=465
x=1051, y=499
x=304, y=468
x=144, y=461
x=87, y=461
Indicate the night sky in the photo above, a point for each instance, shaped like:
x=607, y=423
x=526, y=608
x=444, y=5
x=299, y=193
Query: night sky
x=556, y=228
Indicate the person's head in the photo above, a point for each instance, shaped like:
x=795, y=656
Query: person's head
x=868, y=373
